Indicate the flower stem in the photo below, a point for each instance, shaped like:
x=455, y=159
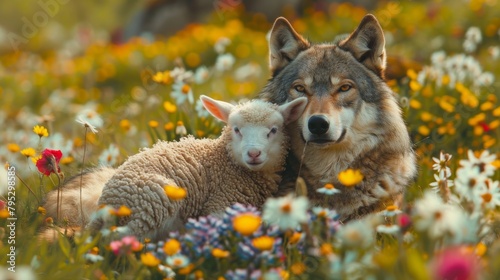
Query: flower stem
x=81, y=174
x=31, y=191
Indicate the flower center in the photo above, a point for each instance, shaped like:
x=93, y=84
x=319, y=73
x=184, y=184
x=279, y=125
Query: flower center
x=487, y=197
x=329, y=186
x=286, y=208
x=391, y=208
x=438, y=215
x=185, y=89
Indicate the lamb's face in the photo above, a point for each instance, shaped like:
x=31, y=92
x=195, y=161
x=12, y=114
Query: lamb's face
x=258, y=143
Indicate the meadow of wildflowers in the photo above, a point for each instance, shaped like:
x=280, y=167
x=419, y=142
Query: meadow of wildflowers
x=69, y=108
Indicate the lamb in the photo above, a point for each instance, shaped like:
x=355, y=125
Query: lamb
x=241, y=166
x=92, y=182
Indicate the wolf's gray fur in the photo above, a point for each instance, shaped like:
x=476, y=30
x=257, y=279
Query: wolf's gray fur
x=352, y=119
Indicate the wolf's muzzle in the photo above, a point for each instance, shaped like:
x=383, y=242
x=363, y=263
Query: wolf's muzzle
x=318, y=125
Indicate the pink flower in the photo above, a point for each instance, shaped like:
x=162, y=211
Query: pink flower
x=458, y=263
x=49, y=162
x=125, y=246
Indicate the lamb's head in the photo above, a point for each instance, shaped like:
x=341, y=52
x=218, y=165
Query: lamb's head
x=257, y=129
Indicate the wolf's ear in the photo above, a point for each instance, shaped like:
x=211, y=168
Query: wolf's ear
x=284, y=44
x=367, y=44
x=216, y=108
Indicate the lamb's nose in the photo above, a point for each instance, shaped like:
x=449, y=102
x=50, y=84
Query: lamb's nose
x=318, y=124
x=254, y=153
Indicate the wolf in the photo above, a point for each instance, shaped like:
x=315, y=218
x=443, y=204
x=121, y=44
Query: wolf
x=352, y=119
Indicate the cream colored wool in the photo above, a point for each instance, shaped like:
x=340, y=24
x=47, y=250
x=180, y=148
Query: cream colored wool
x=206, y=168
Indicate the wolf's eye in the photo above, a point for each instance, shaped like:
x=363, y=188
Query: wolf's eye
x=300, y=88
x=345, y=88
x=236, y=130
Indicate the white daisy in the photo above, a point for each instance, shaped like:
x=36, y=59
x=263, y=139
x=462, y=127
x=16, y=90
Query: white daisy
x=201, y=75
x=87, y=124
x=221, y=44
x=287, y=212
x=182, y=92
x=388, y=229
x=224, y=62
x=441, y=164
x=436, y=217
x=356, y=234
x=470, y=182
x=109, y=156
x=177, y=261
x=484, y=162
x=180, y=74
x=490, y=198
x=440, y=182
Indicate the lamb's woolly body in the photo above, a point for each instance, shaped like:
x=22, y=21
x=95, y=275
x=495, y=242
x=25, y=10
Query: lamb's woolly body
x=205, y=167
x=92, y=184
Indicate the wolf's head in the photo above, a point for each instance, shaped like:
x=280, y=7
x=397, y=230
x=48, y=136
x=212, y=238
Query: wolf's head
x=343, y=81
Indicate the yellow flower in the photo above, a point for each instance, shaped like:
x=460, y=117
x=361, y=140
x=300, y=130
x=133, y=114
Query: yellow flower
x=326, y=249
x=41, y=210
x=445, y=80
x=41, y=131
x=67, y=160
x=263, y=243
x=125, y=124
x=172, y=247
x=28, y=152
x=496, y=112
x=415, y=86
x=350, y=177
x=496, y=163
x=13, y=147
x=4, y=213
x=169, y=107
x=486, y=106
x=175, y=193
x=186, y=270
x=445, y=105
x=480, y=249
x=169, y=126
x=415, y=104
x=412, y=74
x=246, y=224
x=34, y=159
x=163, y=78
x=219, y=253
x=424, y=130
x=123, y=211
x=149, y=259
x=298, y=268
x=153, y=124
x=295, y=238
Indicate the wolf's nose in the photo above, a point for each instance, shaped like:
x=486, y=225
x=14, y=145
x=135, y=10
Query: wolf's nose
x=318, y=124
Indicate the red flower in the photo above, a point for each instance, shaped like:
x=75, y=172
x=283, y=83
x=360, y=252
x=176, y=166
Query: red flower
x=49, y=162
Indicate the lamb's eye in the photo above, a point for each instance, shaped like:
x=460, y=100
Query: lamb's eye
x=345, y=88
x=300, y=88
x=272, y=131
x=236, y=130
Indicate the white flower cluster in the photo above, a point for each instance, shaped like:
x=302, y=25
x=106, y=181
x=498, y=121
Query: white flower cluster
x=459, y=68
x=473, y=183
x=472, y=38
x=459, y=217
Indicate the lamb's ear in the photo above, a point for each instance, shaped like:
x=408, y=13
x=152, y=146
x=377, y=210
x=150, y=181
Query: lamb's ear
x=367, y=44
x=292, y=110
x=284, y=45
x=216, y=108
